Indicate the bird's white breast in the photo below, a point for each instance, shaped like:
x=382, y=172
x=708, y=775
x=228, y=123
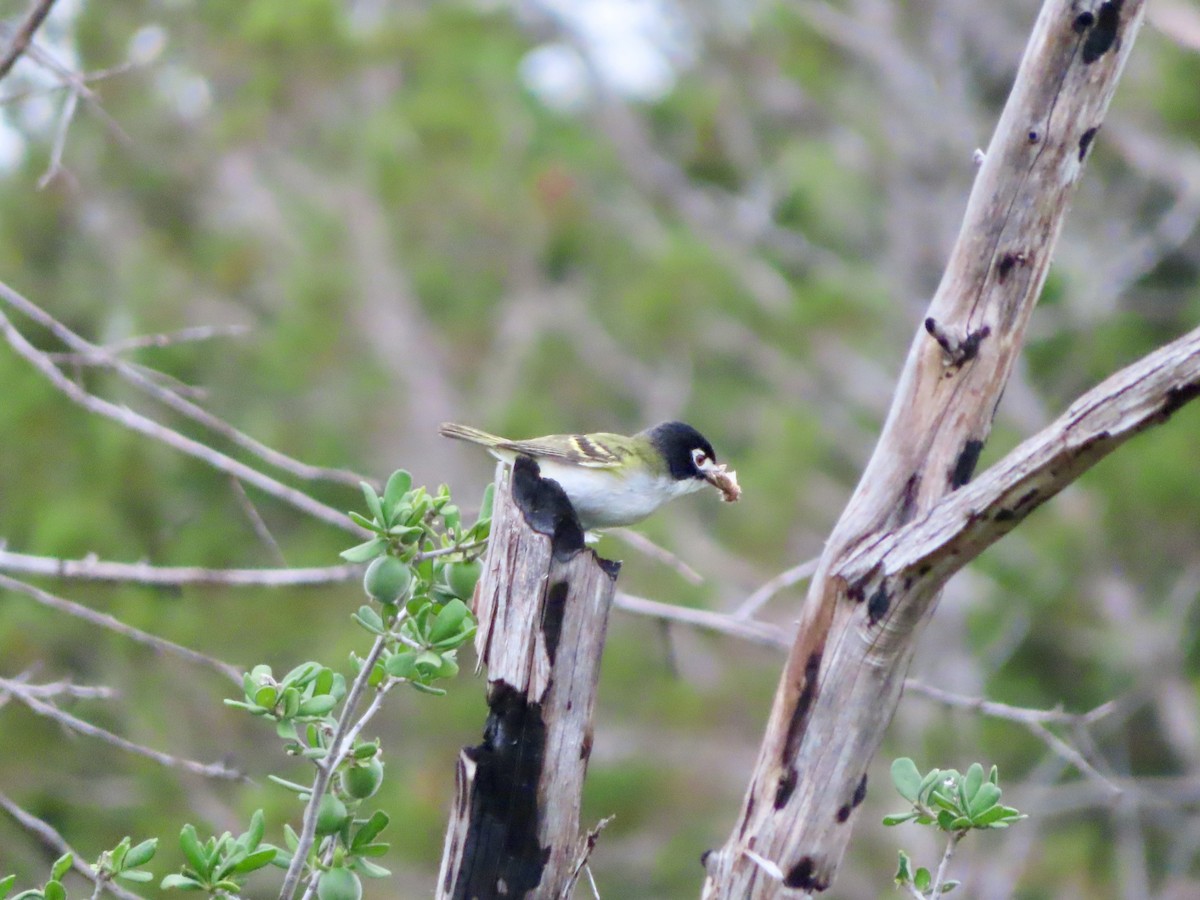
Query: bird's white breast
x=606, y=499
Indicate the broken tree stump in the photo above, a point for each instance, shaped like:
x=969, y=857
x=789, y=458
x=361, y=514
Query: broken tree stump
x=542, y=605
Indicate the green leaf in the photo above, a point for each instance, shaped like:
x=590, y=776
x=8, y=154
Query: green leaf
x=922, y=879
x=6, y=884
x=363, y=521
x=986, y=818
x=945, y=820
x=950, y=885
x=363, y=552
x=256, y=860
x=368, y=868
x=254, y=834
x=53, y=890
x=291, y=785
x=61, y=866
x=141, y=854
x=193, y=852
x=266, y=696
x=931, y=781
x=402, y=664
x=448, y=668
x=374, y=506
x=994, y=777
x=906, y=778
x=426, y=689
x=488, y=501
x=448, y=621
x=899, y=818
x=904, y=869
x=398, y=484
x=406, y=534
x=317, y=706
x=301, y=675
x=985, y=799
x=369, y=619
x=970, y=784
x=372, y=849
x=960, y=823
x=136, y=875
x=370, y=829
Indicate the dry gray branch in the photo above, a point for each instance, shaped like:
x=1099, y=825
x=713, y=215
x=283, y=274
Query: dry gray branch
x=117, y=626
x=138, y=377
x=24, y=34
x=846, y=669
x=142, y=425
x=32, y=701
x=542, y=605
x=95, y=569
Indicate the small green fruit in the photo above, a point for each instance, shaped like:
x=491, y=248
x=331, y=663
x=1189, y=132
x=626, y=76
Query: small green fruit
x=461, y=577
x=331, y=815
x=339, y=884
x=388, y=580
x=362, y=781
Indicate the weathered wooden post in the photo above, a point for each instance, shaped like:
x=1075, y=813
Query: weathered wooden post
x=542, y=605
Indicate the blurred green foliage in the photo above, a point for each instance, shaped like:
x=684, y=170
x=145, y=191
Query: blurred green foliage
x=410, y=234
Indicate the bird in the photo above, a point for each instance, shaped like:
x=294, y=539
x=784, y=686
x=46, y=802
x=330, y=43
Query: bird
x=615, y=480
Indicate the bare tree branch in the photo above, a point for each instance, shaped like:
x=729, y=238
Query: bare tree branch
x=974, y=517
x=48, y=835
x=94, y=569
x=133, y=374
x=116, y=625
x=209, y=770
x=143, y=425
x=755, y=632
x=24, y=34
x=846, y=669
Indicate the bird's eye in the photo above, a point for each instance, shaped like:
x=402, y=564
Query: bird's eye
x=699, y=457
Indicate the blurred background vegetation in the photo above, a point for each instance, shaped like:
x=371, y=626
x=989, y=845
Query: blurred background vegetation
x=552, y=216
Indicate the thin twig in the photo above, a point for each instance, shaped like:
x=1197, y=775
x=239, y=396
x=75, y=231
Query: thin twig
x=208, y=770
x=769, y=589
x=755, y=632
x=24, y=34
x=257, y=522
x=143, y=425
x=997, y=710
x=939, y=881
x=1035, y=720
x=70, y=104
x=116, y=625
x=326, y=769
x=647, y=547
x=48, y=835
x=133, y=374
x=93, y=569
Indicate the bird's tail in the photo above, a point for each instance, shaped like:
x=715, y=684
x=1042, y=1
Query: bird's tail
x=467, y=433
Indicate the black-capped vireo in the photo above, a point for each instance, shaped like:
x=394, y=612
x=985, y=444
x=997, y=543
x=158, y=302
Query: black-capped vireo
x=612, y=479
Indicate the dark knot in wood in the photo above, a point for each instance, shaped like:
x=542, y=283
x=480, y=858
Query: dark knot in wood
x=545, y=506
x=958, y=350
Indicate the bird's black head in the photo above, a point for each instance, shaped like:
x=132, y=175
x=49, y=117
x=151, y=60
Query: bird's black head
x=685, y=449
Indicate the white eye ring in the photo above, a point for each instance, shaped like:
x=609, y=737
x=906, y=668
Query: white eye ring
x=699, y=458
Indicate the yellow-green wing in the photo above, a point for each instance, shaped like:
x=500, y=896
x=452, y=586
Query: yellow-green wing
x=596, y=451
